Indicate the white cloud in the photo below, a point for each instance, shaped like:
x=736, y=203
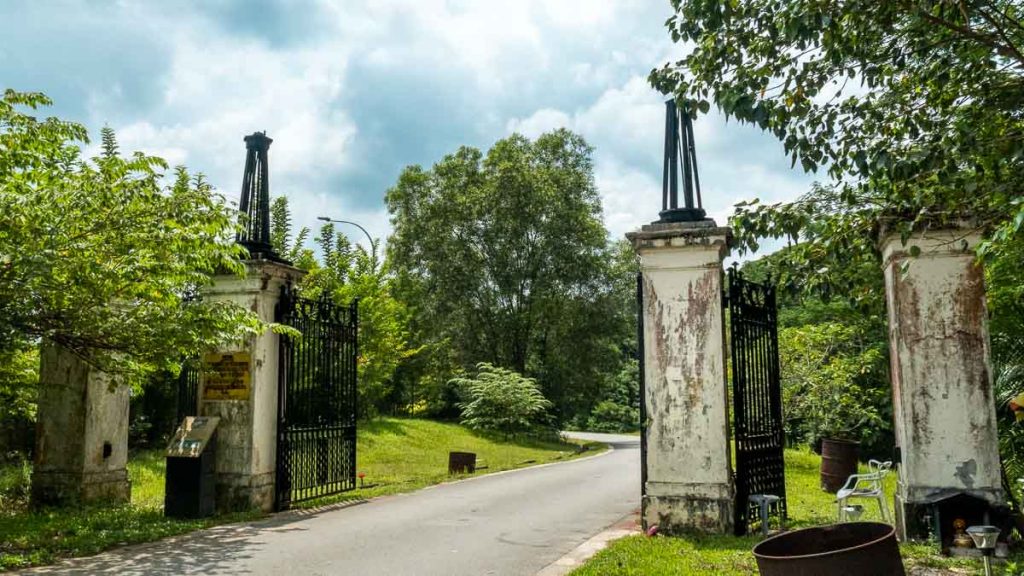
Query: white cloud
x=364, y=88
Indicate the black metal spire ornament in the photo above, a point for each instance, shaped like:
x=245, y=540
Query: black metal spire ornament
x=679, y=149
x=255, y=202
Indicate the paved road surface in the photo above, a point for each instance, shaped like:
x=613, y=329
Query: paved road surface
x=507, y=523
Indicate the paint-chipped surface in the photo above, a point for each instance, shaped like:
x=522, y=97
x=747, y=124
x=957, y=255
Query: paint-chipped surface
x=943, y=405
x=689, y=481
x=247, y=435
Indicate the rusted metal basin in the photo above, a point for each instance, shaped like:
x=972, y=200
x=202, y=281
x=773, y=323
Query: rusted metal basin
x=851, y=549
x=838, y=462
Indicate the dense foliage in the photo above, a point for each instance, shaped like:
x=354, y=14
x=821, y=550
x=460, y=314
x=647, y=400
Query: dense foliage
x=503, y=258
x=912, y=108
x=500, y=400
x=345, y=273
x=100, y=255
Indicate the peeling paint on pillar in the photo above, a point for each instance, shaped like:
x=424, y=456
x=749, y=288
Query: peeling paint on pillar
x=688, y=465
x=944, y=410
x=247, y=436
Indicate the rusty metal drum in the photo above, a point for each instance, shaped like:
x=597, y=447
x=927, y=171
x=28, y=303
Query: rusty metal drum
x=838, y=462
x=851, y=549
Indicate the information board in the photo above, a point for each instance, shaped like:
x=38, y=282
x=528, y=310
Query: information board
x=192, y=436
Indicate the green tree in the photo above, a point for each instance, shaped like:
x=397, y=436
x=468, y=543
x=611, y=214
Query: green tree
x=100, y=256
x=345, y=273
x=911, y=107
x=502, y=258
x=830, y=385
x=501, y=400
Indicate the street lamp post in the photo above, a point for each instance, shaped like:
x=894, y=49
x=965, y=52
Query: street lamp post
x=373, y=243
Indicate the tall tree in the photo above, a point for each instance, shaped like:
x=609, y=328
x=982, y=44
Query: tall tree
x=99, y=256
x=503, y=257
x=344, y=273
x=911, y=106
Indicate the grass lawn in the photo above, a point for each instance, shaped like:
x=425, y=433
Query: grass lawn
x=402, y=454
x=398, y=455
x=721, y=555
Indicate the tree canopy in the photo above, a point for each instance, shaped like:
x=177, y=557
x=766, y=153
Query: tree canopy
x=503, y=258
x=102, y=256
x=911, y=107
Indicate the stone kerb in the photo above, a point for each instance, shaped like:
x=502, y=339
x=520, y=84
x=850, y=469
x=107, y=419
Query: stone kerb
x=687, y=463
x=247, y=435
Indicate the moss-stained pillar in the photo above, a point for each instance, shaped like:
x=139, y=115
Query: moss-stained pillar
x=239, y=384
x=687, y=464
x=943, y=407
x=81, y=451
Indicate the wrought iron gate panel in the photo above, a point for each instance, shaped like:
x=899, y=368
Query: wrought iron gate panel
x=757, y=397
x=316, y=428
x=188, y=391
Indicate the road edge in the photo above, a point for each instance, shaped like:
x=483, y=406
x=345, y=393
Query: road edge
x=578, y=556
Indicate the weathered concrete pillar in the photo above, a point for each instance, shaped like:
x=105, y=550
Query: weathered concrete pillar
x=943, y=407
x=687, y=466
x=239, y=384
x=81, y=433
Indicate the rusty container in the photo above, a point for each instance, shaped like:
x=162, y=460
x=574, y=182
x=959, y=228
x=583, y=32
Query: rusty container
x=838, y=462
x=461, y=462
x=851, y=549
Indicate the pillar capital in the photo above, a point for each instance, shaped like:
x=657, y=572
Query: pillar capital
x=939, y=243
x=703, y=235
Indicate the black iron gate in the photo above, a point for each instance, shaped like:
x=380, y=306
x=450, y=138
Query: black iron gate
x=188, y=390
x=757, y=397
x=316, y=427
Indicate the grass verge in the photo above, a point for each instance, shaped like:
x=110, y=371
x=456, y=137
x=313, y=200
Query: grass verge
x=401, y=454
x=397, y=455
x=709, y=555
x=34, y=537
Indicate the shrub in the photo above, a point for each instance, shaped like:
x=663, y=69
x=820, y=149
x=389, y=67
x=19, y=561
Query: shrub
x=608, y=416
x=830, y=383
x=500, y=400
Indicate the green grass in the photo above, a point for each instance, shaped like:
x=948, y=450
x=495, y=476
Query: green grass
x=709, y=555
x=398, y=455
x=29, y=538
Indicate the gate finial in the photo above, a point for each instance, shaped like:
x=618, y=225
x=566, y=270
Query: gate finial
x=679, y=149
x=255, y=199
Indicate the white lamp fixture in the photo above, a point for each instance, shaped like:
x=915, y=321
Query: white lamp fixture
x=985, y=540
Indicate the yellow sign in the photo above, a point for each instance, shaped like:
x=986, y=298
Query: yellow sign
x=226, y=376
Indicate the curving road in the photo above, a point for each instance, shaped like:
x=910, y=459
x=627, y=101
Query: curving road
x=507, y=523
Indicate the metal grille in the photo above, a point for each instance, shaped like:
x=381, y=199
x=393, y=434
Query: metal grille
x=188, y=391
x=316, y=429
x=757, y=397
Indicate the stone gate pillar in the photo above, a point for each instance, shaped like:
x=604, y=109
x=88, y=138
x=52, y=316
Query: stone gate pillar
x=239, y=384
x=687, y=466
x=81, y=450
x=943, y=407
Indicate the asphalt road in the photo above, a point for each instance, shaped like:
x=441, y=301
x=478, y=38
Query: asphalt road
x=506, y=523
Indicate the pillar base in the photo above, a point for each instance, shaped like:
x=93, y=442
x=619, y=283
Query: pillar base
x=684, y=508
x=64, y=488
x=242, y=492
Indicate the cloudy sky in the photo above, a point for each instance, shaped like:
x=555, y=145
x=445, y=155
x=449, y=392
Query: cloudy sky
x=353, y=91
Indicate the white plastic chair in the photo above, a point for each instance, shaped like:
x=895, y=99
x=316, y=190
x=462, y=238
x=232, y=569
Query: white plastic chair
x=868, y=485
